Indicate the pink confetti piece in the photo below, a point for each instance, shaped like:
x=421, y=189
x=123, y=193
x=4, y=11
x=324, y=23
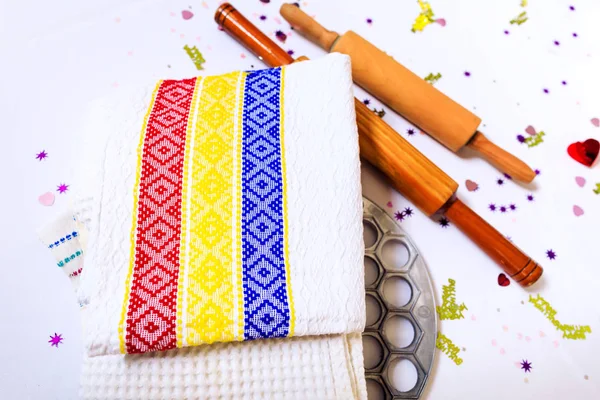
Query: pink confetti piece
x=527, y=339
x=117, y=20
x=505, y=328
x=518, y=364
x=502, y=351
x=242, y=55
x=173, y=30
x=520, y=336
x=441, y=21
x=198, y=38
x=595, y=122
x=130, y=53
x=580, y=180
x=181, y=35
x=172, y=14
x=530, y=130
x=555, y=343
x=494, y=343
x=389, y=204
x=542, y=334
x=186, y=14
x=473, y=318
x=277, y=20
x=578, y=211
x=47, y=199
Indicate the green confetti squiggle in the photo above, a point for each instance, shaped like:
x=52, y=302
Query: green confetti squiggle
x=536, y=139
x=569, y=331
x=195, y=55
x=447, y=347
x=449, y=309
x=597, y=190
x=431, y=78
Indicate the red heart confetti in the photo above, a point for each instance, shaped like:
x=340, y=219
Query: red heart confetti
x=471, y=186
x=503, y=280
x=530, y=130
x=585, y=153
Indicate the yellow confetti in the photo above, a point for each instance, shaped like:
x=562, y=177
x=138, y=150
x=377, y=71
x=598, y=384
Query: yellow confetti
x=195, y=55
x=431, y=78
x=447, y=347
x=533, y=141
x=449, y=309
x=523, y=3
x=569, y=331
x=597, y=190
x=520, y=19
x=424, y=18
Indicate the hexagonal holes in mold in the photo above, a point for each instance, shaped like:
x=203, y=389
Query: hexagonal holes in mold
x=374, y=390
x=373, y=351
x=402, y=374
x=397, y=292
x=370, y=233
x=394, y=254
x=399, y=331
x=371, y=271
x=373, y=311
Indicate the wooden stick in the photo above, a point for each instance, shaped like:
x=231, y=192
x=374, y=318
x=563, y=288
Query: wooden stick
x=409, y=171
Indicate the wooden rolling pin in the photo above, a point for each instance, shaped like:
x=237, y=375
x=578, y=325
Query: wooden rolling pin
x=409, y=171
x=409, y=95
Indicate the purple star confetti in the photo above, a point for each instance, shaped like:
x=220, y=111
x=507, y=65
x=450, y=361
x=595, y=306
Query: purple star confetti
x=62, y=188
x=546, y=91
x=55, y=340
x=506, y=32
x=408, y=212
x=572, y=8
x=564, y=83
x=410, y=131
x=574, y=34
x=467, y=73
x=492, y=207
x=290, y=52
x=369, y=21
x=551, y=254
x=444, y=222
x=537, y=171
x=530, y=197
x=507, y=176
x=502, y=209
x=556, y=43
x=521, y=138
x=513, y=207
x=500, y=181
x=526, y=365
x=42, y=155
x=399, y=216
x=263, y=17
x=366, y=102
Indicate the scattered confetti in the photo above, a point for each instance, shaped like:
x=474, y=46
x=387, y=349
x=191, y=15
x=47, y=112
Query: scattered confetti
x=440, y=21
x=195, y=55
x=578, y=211
x=556, y=43
x=467, y=73
x=187, y=14
x=408, y=212
x=55, y=340
x=513, y=207
x=263, y=17
x=502, y=209
x=506, y=32
x=595, y=122
x=521, y=138
x=471, y=186
x=62, y=188
x=580, y=180
x=537, y=171
x=597, y=190
x=369, y=21
x=551, y=254
x=447, y=347
x=380, y=113
x=535, y=140
x=410, y=131
x=366, y=102
x=389, y=204
x=584, y=153
x=519, y=19
x=42, y=155
x=399, y=216
x=47, y=199
x=564, y=83
x=574, y=34
x=503, y=280
x=546, y=91
x=492, y=207
x=424, y=18
x=572, y=8
x=449, y=309
x=500, y=181
x=530, y=130
x=569, y=331
x=281, y=36
x=444, y=222
x=432, y=79
x=526, y=365
x=290, y=52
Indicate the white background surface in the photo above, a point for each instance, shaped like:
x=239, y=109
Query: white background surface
x=57, y=56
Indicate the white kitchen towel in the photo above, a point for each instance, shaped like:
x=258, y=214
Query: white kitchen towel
x=224, y=208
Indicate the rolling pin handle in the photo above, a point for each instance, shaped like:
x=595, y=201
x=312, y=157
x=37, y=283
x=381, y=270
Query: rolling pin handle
x=308, y=27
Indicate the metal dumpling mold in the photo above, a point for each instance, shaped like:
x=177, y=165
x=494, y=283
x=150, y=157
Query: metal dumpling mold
x=382, y=238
